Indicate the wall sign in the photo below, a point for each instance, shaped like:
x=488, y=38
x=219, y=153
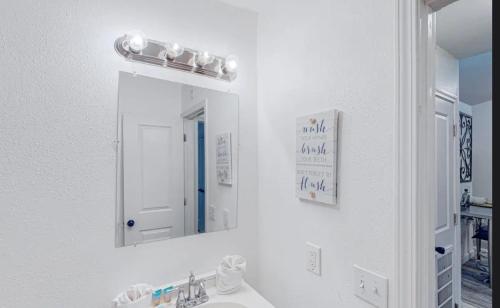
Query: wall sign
x=316, y=157
x=223, y=159
x=465, y=148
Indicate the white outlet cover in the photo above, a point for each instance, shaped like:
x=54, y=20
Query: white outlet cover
x=371, y=287
x=313, y=258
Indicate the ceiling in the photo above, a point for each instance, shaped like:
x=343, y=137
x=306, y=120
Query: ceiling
x=464, y=28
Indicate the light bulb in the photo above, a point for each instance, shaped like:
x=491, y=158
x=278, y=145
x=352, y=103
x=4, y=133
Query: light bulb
x=204, y=58
x=173, y=50
x=136, y=41
x=230, y=64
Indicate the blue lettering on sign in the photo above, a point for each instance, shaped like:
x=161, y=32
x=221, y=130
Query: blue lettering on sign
x=319, y=128
x=318, y=185
x=319, y=150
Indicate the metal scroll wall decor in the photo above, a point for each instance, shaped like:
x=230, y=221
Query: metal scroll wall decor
x=465, y=148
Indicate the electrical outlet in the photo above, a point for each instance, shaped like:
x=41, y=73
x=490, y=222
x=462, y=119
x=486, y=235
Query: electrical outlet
x=371, y=287
x=211, y=212
x=313, y=258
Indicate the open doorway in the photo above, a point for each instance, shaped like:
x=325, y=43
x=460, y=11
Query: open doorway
x=463, y=148
x=195, y=170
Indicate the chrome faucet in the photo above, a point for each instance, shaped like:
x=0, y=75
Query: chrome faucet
x=197, y=293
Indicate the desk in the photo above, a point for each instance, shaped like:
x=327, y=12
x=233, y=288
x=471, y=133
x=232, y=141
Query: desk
x=479, y=212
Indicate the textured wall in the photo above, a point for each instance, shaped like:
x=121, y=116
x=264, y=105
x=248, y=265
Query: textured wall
x=447, y=71
x=476, y=79
x=482, y=156
x=313, y=56
x=58, y=100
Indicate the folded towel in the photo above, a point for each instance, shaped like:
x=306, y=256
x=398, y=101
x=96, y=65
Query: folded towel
x=229, y=274
x=477, y=200
x=134, y=294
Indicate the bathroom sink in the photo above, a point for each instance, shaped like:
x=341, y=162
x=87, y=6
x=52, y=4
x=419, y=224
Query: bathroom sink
x=223, y=305
x=245, y=297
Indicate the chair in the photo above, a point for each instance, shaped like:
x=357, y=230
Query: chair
x=482, y=233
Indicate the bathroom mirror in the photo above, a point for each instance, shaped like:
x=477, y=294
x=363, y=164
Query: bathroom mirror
x=177, y=153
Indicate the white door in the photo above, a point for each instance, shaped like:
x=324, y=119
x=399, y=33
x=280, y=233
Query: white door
x=447, y=279
x=153, y=178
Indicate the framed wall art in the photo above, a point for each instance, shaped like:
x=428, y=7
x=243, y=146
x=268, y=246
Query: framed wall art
x=224, y=159
x=316, y=157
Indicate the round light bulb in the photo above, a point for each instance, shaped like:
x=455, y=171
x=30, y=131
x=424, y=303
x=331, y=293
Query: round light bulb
x=230, y=64
x=204, y=58
x=173, y=50
x=136, y=41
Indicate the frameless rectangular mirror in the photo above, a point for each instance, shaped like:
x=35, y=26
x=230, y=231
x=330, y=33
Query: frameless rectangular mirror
x=177, y=172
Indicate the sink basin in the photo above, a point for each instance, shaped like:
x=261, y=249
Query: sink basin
x=245, y=297
x=223, y=305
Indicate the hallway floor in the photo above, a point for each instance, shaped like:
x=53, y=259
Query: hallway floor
x=475, y=288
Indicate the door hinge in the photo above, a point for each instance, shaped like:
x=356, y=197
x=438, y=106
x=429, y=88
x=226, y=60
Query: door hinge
x=185, y=138
x=454, y=130
x=455, y=219
x=185, y=201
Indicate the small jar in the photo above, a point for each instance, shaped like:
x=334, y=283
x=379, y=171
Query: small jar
x=167, y=294
x=156, y=298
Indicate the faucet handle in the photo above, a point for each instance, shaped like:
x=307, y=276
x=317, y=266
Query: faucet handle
x=201, y=292
x=181, y=299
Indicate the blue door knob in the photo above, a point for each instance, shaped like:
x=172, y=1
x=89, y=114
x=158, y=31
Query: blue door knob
x=130, y=223
x=440, y=250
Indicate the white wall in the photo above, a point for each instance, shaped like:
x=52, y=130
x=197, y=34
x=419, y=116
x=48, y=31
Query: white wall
x=313, y=56
x=482, y=150
x=447, y=71
x=58, y=96
x=476, y=78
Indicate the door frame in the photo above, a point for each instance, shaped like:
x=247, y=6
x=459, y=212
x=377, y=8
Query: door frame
x=414, y=241
x=415, y=182
x=192, y=113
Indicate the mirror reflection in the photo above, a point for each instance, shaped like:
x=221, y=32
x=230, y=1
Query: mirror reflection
x=177, y=160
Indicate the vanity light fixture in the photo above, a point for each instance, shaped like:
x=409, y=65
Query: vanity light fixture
x=230, y=64
x=136, y=41
x=173, y=50
x=134, y=46
x=204, y=58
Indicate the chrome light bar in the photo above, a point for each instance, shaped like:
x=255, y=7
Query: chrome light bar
x=173, y=56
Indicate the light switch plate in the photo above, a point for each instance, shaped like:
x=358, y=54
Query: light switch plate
x=313, y=258
x=371, y=287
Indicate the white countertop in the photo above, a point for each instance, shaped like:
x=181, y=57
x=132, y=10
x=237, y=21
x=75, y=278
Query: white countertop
x=478, y=212
x=246, y=296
